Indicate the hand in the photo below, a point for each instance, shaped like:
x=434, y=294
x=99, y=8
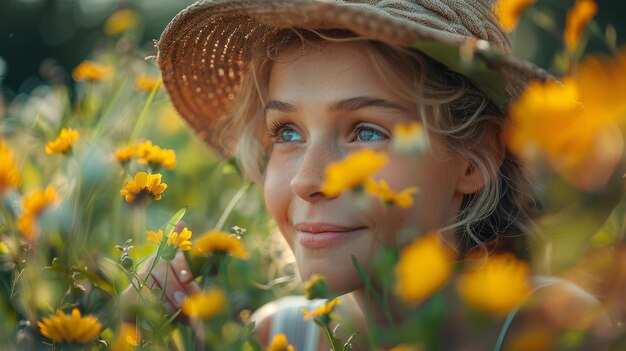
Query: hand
x=179, y=282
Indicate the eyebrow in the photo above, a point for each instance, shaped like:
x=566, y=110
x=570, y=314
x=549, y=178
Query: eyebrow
x=345, y=105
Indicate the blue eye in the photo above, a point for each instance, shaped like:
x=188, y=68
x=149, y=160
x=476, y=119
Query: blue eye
x=287, y=135
x=366, y=134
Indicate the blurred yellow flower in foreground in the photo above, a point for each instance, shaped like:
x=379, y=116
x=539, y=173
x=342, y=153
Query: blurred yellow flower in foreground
x=279, y=343
x=91, y=71
x=424, y=267
x=155, y=156
x=174, y=242
x=32, y=205
x=577, y=19
x=569, y=123
x=147, y=83
x=220, y=242
x=9, y=173
x=533, y=338
x=144, y=184
x=205, y=304
x=70, y=328
x=496, y=285
x=321, y=311
x=125, y=154
x=121, y=21
x=403, y=199
x=63, y=143
x=127, y=338
x=352, y=171
x=409, y=138
x=508, y=12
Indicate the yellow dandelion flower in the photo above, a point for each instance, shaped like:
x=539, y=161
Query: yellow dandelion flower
x=63, y=143
x=147, y=83
x=155, y=237
x=220, y=242
x=321, y=311
x=508, y=12
x=70, y=328
x=144, y=184
x=125, y=154
x=424, y=267
x=568, y=123
x=279, y=343
x=577, y=19
x=533, y=338
x=409, y=138
x=204, y=305
x=155, y=156
x=497, y=285
x=127, y=338
x=4, y=249
x=32, y=205
x=403, y=199
x=352, y=171
x=91, y=71
x=121, y=21
x=405, y=347
x=9, y=173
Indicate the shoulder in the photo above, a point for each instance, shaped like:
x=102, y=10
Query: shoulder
x=275, y=316
x=557, y=305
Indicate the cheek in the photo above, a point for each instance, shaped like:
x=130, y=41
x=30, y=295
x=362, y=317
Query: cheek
x=433, y=205
x=277, y=194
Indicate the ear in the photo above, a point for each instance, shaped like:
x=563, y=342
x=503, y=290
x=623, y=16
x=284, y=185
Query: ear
x=475, y=171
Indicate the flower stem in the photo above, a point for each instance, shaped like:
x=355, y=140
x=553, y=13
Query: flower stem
x=231, y=205
x=142, y=115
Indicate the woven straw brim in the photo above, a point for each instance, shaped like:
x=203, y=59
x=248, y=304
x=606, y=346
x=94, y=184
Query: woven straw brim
x=205, y=49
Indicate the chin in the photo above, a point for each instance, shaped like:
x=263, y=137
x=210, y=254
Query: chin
x=339, y=281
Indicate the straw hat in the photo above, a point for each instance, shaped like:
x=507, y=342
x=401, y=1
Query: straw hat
x=205, y=49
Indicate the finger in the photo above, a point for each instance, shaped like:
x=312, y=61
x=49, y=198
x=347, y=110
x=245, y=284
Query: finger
x=175, y=291
x=181, y=268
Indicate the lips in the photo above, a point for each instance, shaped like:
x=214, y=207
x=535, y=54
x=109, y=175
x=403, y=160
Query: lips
x=323, y=235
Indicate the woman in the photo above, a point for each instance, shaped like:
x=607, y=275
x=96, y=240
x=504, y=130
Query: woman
x=289, y=87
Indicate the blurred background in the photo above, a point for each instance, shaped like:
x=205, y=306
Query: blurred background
x=36, y=35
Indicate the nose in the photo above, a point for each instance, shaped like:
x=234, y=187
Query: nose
x=309, y=176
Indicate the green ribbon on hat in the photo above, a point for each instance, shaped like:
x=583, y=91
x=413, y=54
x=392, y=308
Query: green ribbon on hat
x=486, y=79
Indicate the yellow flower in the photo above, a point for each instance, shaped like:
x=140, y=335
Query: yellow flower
x=125, y=154
x=567, y=122
x=279, y=343
x=409, y=138
x=147, y=83
x=70, y=328
x=175, y=240
x=352, y=171
x=91, y=71
x=155, y=156
x=121, y=21
x=127, y=339
x=424, y=267
x=205, y=304
x=216, y=241
x=532, y=338
x=63, y=143
x=9, y=174
x=3, y=248
x=321, y=311
x=577, y=19
x=144, y=184
x=496, y=286
x=405, y=347
x=403, y=199
x=508, y=12
x=32, y=205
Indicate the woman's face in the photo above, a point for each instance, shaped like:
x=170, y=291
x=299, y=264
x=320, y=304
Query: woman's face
x=322, y=106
